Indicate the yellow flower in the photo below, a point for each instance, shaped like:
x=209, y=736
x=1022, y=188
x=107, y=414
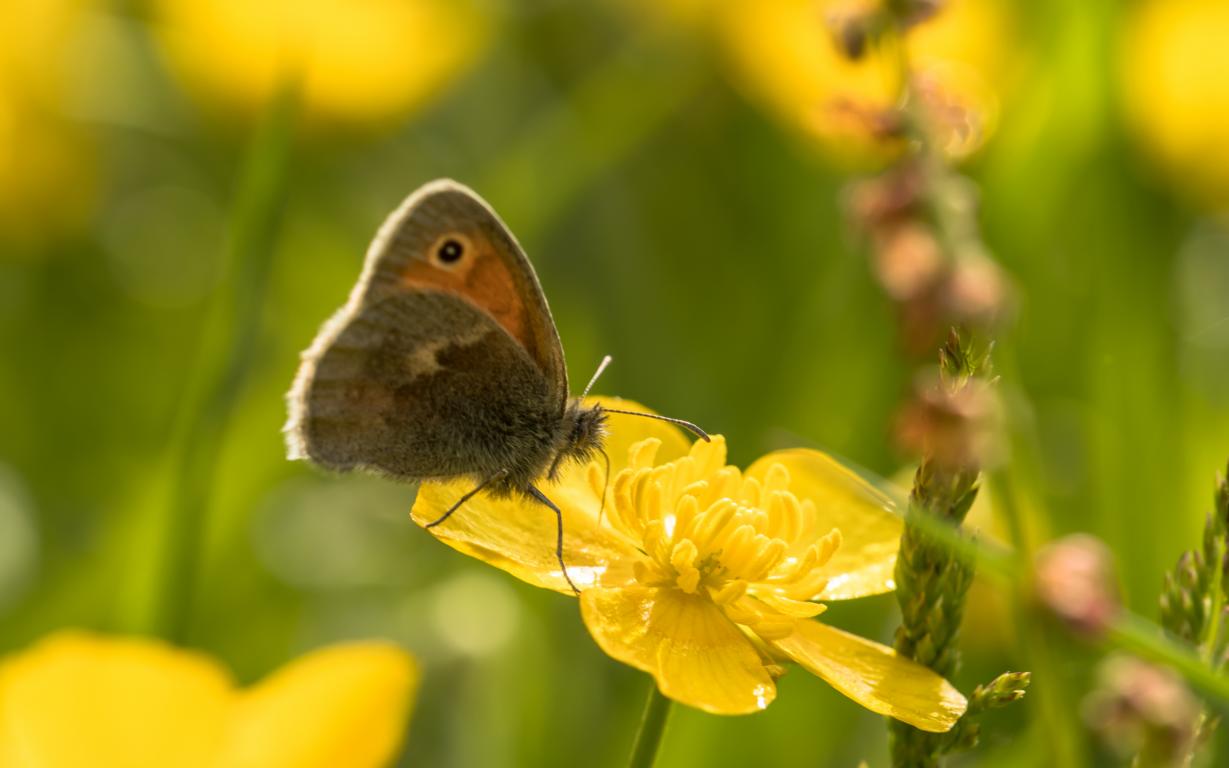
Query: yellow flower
x=357, y=60
x=784, y=54
x=704, y=576
x=1174, y=60
x=77, y=700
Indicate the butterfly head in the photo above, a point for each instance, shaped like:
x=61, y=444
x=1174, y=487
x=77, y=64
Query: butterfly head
x=582, y=435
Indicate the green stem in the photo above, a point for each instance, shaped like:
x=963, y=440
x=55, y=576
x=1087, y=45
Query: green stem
x=1129, y=632
x=652, y=726
x=1144, y=639
x=227, y=348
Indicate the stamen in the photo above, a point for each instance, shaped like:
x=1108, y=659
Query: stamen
x=643, y=453
x=729, y=592
x=710, y=522
x=685, y=512
x=752, y=492
x=769, y=556
x=736, y=549
x=828, y=546
x=799, y=609
x=776, y=478
x=655, y=542
x=774, y=629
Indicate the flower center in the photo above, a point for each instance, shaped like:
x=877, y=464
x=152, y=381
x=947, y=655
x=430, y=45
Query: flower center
x=747, y=543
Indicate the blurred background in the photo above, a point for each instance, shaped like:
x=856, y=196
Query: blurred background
x=678, y=171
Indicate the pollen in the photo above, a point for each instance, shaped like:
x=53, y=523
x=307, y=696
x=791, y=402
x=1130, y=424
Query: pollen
x=749, y=545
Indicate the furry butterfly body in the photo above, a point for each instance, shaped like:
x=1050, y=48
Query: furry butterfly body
x=444, y=362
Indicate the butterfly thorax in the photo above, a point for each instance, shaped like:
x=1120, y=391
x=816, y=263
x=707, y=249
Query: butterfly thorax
x=576, y=437
x=579, y=437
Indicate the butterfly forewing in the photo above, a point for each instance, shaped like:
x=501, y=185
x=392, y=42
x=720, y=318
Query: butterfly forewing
x=497, y=277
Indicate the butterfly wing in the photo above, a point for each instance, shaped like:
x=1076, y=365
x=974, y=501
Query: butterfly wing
x=445, y=360
x=419, y=385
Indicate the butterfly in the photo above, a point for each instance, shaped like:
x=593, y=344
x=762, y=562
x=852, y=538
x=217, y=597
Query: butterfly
x=445, y=362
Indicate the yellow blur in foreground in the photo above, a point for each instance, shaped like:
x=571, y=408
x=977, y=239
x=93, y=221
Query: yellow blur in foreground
x=1174, y=65
x=77, y=700
x=704, y=576
x=357, y=61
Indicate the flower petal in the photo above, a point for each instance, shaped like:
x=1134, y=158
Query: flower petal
x=339, y=707
x=78, y=699
x=697, y=655
x=870, y=530
x=517, y=534
x=875, y=677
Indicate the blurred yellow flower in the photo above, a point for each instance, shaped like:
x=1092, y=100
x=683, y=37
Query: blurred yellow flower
x=703, y=575
x=1176, y=92
x=77, y=700
x=46, y=163
x=357, y=61
x=785, y=54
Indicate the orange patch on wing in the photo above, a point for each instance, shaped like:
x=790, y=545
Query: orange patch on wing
x=488, y=284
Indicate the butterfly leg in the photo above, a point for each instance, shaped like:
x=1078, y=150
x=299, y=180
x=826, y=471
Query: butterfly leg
x=461, y=501
x=534, y=492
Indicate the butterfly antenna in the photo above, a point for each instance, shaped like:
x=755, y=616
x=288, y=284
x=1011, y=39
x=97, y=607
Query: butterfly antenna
x=600, y=367
x=687, y=425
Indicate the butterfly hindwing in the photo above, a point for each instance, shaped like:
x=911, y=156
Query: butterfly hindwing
x=404, y=386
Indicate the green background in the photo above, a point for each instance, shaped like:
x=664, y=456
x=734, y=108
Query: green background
x=676, y=227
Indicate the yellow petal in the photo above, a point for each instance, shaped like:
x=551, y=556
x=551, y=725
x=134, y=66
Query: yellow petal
x=875, y=677
x=340, y=707
x=870, y=531
x=517, y=535
x=697, y=655
x=75, y=699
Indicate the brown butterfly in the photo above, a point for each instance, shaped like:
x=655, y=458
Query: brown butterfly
x=445, y=362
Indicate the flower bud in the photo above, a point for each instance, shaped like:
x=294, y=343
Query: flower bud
x=1074, y=579
x=1143, y=711
x=956, y=427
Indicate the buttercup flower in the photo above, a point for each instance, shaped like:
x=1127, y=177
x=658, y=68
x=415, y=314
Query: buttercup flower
x=357, y=60
x=76, y=700
x=704, y=576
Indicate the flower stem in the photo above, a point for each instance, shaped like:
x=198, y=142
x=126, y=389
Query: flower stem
x=652, y=726
x=227, y=346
